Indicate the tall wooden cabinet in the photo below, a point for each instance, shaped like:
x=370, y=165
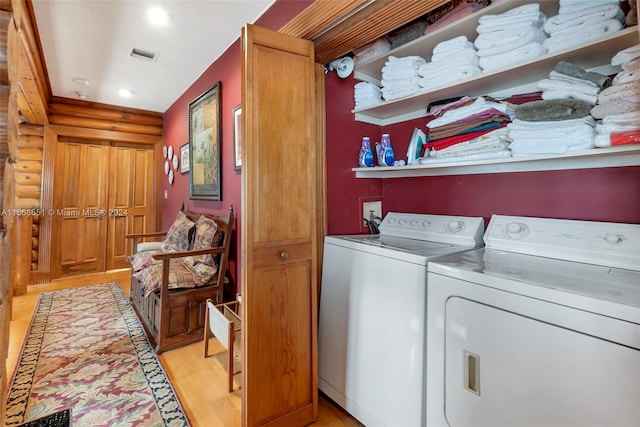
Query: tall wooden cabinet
x=281, y=185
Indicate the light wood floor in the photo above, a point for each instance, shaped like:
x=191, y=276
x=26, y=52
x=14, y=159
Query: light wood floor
x=201, y=384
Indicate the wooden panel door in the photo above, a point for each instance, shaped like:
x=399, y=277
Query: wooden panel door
x=279, y=236
x=80, y=208
x=130, y=205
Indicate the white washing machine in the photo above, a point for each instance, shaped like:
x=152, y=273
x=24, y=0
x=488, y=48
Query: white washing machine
x=372, y=314
x=541, y=327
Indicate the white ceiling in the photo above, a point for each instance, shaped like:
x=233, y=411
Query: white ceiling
x=92, y=39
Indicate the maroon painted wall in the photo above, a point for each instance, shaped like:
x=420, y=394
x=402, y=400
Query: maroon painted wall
x=606, y=194
x=176, y=127
x=610, y=194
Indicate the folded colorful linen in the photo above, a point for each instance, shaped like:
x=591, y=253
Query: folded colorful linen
x=603, y=110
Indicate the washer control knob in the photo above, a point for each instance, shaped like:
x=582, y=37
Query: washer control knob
x=413, y=222
x=426, y=224
x=516, y=230
x=455, y=226
x=614, y=239
x=402, y=221
x=391, y=220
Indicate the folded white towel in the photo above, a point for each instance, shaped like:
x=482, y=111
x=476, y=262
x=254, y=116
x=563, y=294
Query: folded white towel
x=630, y=118
x=391, y=73
x=571, y=6
x=389, y=95
x=634, y=64
x=526, y=10
x=518, y=124
x=405, y=60
x=626, y=55
x=531, y=50
x=564, y=39
x=499, y=37
x=554, y=75
x=464, y=55
x=602, y=128
x=553, y=84
x=597, y=13
x=394, y=84
x=511, y=41
x=564, y=136
x=431, y=68
x=540, y=147
x=460, y=72
x=565, y=94
x=460, y=42
x=467, y=56
x=536, y=20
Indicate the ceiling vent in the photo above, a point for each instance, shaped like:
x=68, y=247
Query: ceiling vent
x=145, y=55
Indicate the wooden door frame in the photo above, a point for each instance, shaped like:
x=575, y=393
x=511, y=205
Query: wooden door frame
x=52, y=133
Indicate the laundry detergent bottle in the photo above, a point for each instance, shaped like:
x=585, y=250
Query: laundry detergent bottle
x=388, y=156
x=365, y=158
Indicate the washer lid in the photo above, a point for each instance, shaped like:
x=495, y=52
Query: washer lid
x=409, y=250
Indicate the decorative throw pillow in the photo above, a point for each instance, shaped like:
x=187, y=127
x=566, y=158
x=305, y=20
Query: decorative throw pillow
x=177, y=238
x=206, y=230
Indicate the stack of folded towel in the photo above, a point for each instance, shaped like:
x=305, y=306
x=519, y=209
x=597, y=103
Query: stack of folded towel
x=366, y=94
x=451, y=60
x=470, y=128
x=619, y=105
x=570, y=81
x=578, y=21
x=623, y=95
x=400, y=76
x=551, y=137
x=510, y=37
x=551, y=127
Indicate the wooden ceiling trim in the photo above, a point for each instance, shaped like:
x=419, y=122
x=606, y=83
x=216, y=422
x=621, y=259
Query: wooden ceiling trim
x=363, y=28
x=334, y=35
x=320, y=15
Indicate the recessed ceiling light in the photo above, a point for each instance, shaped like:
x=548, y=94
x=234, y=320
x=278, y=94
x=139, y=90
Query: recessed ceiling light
x=125, y=93
x=157, y=16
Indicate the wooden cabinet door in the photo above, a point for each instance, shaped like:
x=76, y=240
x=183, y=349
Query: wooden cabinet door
x=130, y=205
x=279, y=230
x=80, y=208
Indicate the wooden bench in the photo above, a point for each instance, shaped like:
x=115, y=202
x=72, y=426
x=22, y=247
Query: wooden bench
x=176, y=317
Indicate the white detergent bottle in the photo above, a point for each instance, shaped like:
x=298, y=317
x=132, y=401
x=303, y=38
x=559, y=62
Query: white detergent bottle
x=387, y=150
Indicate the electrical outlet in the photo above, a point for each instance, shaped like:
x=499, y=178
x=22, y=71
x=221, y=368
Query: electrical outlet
x=367, y=207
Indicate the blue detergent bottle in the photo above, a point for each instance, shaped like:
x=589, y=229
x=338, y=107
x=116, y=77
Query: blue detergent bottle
x=365, y=158
x=387, y=150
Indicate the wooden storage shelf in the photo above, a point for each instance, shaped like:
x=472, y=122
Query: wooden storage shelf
x=628, y=155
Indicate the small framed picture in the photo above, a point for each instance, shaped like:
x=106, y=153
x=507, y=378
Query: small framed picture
x=237, y=137
x=184, y=158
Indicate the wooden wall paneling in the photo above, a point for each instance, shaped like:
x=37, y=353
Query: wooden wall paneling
x=75, y=108
x=21, y=259
x=93, y=123
x=49, y=139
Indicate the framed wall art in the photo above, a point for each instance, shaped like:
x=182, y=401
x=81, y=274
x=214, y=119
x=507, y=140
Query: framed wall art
x=237, y=137
x=184, y=158
x=205, y=145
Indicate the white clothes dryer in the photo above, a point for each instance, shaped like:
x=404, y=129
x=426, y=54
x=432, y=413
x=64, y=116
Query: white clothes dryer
x=372, y=314
x=541, y=327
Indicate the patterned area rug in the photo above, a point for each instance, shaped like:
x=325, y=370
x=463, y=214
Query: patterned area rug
x=87, y=350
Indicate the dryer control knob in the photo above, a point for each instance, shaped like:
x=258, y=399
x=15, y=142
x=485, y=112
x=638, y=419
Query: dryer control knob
x=614, y=239
x=455, y=226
